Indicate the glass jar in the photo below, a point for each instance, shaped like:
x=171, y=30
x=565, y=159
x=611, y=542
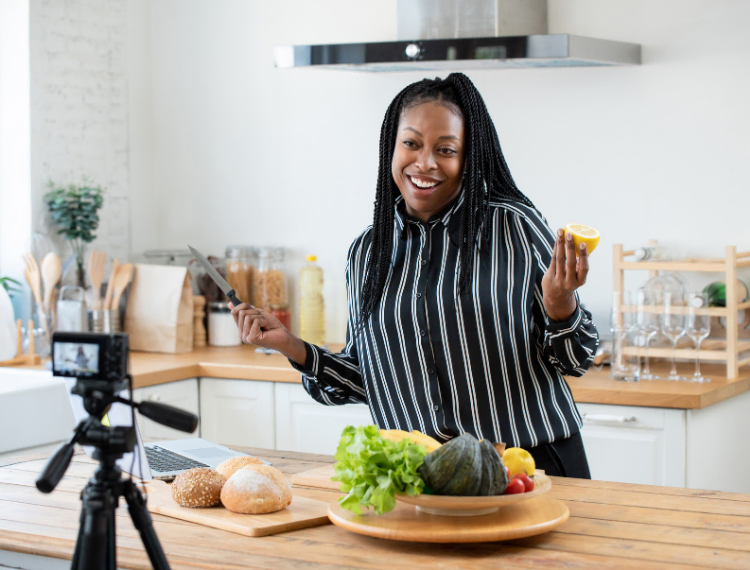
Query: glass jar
x=222, y=330
x=282, y=313
x=269, y=283
x=202, y=282
x=240, y=265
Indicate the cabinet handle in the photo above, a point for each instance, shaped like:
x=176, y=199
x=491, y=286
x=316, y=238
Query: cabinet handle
x=606, y=418
x=154, y=398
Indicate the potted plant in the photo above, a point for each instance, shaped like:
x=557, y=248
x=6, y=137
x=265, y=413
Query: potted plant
x=75, y=210
x=10, y=285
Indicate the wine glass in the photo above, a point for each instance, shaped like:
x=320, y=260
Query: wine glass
x=647, y=323
x=673, y=327
x=697, y=327
x=625, y=362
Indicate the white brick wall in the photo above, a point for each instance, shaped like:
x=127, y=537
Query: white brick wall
x=79, y=110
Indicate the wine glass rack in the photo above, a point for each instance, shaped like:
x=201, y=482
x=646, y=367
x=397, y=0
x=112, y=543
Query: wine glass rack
x=734, y=348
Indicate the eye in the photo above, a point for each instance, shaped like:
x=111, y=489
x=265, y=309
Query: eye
x=447, y=150
x=409, y=144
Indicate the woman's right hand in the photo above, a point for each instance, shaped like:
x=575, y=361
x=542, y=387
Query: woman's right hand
x=261, y=328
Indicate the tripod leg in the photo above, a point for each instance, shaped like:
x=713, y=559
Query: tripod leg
x=74, y=565
x=142, y=522
x=95, y=547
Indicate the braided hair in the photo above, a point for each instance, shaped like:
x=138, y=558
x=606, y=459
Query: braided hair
x=485, y=176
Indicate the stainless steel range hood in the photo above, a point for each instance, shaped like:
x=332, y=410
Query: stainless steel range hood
x=465, y=34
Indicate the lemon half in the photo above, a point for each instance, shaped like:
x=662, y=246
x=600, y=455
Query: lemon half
x=583, y=234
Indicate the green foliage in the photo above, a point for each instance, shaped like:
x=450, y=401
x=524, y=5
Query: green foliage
x=10, y=285
x=372, y=469
x=75, y=210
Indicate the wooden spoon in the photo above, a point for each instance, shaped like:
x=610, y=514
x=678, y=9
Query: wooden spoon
x=33, y=278
x=97, y=261
x=122, y=278
x=110, y=284
x=51, y=273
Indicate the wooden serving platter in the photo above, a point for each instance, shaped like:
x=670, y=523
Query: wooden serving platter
x=302, y=513
x=535, y=516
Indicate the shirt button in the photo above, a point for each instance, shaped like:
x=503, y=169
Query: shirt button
x=436, y=407
x=424, y=262
x=422, y=332
x=430, y=371
x=419, y=295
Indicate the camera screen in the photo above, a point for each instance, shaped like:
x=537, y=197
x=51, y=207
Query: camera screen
x=76, y=359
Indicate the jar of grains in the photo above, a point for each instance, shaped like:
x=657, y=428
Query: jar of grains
x=240, y=263
x=269, y=282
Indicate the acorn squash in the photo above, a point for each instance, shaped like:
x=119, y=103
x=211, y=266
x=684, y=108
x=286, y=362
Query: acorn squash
x=466, y=467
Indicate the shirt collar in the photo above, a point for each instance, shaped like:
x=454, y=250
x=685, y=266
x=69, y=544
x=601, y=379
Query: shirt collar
x=449, y=217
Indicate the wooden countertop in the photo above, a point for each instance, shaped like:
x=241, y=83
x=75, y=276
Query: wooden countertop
x=595, y=387
x=611, y=525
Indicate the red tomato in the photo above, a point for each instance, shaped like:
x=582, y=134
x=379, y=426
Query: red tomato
x=528, y=482
x=515, y=486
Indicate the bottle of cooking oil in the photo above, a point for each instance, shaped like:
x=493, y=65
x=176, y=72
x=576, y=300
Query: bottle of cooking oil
x=311, y=308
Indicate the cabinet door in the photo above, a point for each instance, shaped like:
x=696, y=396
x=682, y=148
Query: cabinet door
x=632, y=444
x=182, y=394
x=237, y=412
x=302, y=424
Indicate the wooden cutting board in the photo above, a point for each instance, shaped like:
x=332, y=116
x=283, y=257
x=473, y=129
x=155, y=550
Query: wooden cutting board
x=302, y=513
x=319, y=478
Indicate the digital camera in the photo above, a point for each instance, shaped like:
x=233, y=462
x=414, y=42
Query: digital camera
x=100, y=360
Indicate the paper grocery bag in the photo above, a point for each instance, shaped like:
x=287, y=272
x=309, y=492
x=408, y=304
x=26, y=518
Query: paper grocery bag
x=159, y=315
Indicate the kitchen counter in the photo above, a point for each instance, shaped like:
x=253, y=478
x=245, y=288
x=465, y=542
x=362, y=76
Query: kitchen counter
x=596, y=387
x=611, y=525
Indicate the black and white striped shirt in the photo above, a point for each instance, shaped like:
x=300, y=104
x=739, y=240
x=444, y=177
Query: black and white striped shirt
x=487, y=361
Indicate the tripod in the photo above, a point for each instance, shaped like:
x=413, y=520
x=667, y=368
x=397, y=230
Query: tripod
x=95, y=546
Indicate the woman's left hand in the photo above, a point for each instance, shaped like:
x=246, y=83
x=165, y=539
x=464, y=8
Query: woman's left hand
x=564, y=275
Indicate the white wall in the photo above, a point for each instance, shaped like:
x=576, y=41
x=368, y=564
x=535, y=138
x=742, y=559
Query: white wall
x=236, y=151
x=79, y=110
x=15, y=189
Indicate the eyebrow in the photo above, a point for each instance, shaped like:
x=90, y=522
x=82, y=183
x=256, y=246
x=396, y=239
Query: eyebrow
x=453, y=137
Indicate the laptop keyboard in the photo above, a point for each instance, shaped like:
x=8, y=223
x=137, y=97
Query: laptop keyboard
x=163, y=460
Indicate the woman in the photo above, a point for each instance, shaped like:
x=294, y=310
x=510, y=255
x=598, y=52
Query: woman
x=463, y=311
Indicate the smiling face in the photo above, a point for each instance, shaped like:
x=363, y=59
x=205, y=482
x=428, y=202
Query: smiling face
x=428, y=158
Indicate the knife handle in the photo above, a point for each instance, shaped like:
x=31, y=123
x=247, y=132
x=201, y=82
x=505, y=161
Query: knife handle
x=232, y=297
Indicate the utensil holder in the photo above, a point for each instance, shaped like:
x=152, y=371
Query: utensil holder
x=104, y=321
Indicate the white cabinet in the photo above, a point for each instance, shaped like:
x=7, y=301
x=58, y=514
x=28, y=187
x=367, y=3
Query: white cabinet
x=632, y=444
x=237, y=412
x=302, y=424
x=182, y=394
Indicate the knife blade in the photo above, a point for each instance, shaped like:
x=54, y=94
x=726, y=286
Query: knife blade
x=216, y=276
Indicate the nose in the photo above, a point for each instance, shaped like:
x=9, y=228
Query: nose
x=426, y=160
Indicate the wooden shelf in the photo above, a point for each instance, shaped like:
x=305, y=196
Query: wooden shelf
x=717, y=350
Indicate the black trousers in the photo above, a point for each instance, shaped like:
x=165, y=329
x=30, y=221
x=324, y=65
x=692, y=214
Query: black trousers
x=564, y=457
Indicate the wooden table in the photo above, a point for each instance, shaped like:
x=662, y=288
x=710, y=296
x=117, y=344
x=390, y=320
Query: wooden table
x=612, y=525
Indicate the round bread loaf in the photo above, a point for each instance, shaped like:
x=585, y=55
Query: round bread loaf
x=229, y=466
x=199, y=487
x=256, y=489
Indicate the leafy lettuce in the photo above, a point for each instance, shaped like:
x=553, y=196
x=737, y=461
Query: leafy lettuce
x=372, y=469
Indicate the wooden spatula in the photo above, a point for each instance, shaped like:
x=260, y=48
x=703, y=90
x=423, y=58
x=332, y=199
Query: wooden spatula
x=122, y=278
x=110, y=284
x=33, y=278
x=51, y=273
x=97, y=261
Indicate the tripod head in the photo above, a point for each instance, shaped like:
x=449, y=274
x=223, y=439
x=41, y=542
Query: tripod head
x=99, y=364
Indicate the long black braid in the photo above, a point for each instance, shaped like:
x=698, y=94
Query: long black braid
x=485, y=176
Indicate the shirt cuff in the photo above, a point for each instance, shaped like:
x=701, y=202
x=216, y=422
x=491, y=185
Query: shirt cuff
x=312, y=364
x=566, y=327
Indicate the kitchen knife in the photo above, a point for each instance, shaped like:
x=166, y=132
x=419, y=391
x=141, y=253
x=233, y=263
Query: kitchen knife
x=216, y=276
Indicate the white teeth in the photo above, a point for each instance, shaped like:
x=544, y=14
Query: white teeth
x=420, y=184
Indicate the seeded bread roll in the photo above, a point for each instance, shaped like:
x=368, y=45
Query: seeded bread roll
x=256, y=489
x=199, y=487
x=229, y=466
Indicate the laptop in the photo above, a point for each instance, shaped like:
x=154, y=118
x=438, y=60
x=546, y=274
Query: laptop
x=162, y=460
